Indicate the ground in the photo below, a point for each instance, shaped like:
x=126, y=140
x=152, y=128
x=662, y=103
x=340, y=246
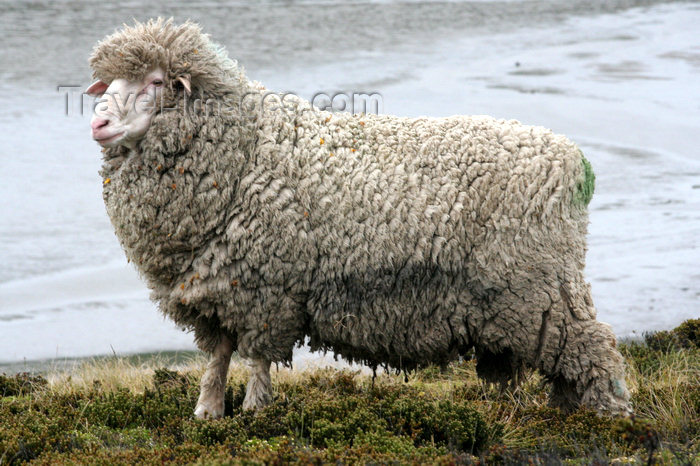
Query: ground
x=125, y=411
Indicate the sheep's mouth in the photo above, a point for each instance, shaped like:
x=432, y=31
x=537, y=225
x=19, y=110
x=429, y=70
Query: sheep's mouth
x=109, y=139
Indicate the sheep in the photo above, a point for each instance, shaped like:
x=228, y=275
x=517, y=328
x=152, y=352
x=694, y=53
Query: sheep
x=260, y=222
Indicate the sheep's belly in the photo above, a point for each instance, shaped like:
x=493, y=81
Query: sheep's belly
x=413, y=317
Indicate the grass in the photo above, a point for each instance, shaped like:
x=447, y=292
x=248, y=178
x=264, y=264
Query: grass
x=126, y=411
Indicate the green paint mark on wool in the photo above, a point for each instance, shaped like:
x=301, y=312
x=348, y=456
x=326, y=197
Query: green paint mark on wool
x=586, y=186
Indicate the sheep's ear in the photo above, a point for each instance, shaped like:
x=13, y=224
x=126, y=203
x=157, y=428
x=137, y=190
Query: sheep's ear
x=96, y=89
x=185, y=81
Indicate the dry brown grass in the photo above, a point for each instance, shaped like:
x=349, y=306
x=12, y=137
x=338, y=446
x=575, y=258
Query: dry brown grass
x=664, y=391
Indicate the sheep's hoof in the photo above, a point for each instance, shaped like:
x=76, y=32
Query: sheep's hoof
x=205, y=412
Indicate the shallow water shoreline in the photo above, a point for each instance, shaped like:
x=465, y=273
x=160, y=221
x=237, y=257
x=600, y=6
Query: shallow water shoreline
x=617, y=77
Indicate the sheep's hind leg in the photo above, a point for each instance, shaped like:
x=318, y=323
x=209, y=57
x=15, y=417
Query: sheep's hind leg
x=590, y=371
x=259, y=391
x=210, y=404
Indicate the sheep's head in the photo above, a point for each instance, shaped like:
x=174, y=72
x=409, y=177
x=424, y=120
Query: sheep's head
x=148, y=67
x=126, y=108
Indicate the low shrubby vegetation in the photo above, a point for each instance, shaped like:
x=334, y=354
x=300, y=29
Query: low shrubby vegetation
x=112, y=411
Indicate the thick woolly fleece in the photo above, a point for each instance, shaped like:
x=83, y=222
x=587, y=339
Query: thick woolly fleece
x=390, y=241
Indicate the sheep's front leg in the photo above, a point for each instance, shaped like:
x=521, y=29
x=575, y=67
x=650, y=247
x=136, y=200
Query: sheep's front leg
x=211, y=397
x=259, y=391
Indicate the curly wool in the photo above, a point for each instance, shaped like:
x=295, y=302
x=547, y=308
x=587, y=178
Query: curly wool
x=390, y=241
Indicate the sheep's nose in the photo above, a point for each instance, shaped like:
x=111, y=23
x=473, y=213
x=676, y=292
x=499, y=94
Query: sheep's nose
x=98, y=123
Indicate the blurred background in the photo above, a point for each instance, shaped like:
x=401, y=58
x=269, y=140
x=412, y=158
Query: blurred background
x=619, y=77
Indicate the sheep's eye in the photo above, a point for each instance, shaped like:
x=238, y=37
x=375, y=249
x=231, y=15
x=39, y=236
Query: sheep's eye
x=157, y=82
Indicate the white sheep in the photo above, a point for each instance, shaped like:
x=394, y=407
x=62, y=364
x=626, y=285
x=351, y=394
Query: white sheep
x=259, y=222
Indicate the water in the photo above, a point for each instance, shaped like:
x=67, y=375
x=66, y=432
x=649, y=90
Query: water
x=621, y=78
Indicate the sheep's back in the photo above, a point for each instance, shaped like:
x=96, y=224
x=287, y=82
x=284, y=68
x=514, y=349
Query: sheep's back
x=384, y=192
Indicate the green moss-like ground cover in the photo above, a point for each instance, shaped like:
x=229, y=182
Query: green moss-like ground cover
x=440, y=416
